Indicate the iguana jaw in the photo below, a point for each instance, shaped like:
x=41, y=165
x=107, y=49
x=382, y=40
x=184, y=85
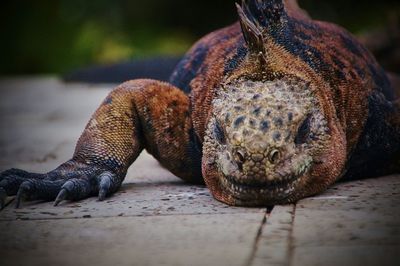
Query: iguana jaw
x=274, y=189
x=256, y=144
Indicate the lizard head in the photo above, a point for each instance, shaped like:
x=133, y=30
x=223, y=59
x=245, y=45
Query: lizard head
x=264, y=137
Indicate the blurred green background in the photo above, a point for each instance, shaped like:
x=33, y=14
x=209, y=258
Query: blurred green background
x=57, y=36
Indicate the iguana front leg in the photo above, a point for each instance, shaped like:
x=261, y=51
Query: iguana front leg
x=138, y=114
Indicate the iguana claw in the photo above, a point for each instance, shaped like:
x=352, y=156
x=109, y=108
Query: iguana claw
x=23, y=190
x=3, y=196
x=105, y=183
x=62, y=195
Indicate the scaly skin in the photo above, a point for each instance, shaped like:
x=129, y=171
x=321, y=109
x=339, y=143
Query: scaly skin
x=269, y=110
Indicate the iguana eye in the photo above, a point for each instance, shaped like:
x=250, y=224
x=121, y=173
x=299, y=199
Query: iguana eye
x=303, y=131
x=219, y=133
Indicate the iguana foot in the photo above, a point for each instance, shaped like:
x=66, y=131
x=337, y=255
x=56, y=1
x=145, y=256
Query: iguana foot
x=70, y=181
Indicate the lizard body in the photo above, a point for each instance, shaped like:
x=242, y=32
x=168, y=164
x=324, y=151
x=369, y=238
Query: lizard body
x=271, y=109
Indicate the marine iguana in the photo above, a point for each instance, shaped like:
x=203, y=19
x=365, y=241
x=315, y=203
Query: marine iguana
x=269, y=110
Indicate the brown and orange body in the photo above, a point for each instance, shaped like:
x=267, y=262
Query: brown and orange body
x=269, y=110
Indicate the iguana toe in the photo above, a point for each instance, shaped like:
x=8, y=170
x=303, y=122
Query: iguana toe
x=105, y=185
x=38, y=189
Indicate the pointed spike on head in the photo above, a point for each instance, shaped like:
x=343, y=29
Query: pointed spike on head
x=258, y=19
x=251, y=33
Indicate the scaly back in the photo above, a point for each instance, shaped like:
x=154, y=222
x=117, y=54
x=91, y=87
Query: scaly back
x=277, y=37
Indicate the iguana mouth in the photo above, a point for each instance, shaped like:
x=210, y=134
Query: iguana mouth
x=273, y=190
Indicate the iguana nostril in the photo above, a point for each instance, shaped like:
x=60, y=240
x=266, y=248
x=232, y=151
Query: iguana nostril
x=240, y=158
x=274, y=156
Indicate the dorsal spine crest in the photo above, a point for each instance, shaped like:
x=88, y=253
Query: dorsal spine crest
x=257, y=18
